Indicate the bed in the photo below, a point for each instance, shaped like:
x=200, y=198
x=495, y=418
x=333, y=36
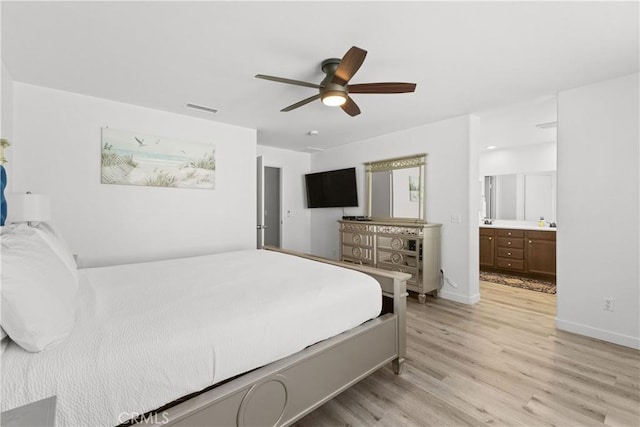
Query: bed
x=258, y=337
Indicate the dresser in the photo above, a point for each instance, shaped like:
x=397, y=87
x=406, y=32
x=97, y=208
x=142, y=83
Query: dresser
x=410, y=247
x=518, y=251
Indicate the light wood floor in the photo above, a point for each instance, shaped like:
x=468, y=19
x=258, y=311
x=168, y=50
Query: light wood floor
x=501, y=362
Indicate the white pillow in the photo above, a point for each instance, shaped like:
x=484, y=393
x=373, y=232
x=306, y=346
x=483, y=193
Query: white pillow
x=38, y=291
x=55, y=240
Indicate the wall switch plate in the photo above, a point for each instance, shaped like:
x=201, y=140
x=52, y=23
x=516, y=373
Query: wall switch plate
x=456, y=219
x=608, y=304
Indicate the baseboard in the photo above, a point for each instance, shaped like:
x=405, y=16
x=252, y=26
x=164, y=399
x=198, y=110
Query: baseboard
x=464, y=299
x=601, y=334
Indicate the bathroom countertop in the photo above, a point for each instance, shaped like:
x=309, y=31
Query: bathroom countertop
x=519, y=227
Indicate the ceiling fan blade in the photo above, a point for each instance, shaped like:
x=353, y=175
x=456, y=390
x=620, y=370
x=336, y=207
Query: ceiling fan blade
x=301, y=103
x=382, y=88
x=349, y=64
x=287, y=81
x=350, y=107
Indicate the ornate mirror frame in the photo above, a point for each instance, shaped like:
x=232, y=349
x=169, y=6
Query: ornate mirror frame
x=416, y=160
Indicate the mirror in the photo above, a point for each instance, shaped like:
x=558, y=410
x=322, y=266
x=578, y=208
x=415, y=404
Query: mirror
x=395, y=188
x=519, y=196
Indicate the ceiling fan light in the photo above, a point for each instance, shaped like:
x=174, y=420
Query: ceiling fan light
x=334, y=98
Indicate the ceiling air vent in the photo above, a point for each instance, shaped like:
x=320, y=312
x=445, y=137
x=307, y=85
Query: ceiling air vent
x=202, y=108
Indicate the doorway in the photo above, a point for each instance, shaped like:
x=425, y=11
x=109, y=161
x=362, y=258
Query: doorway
x=517, y=159
x=272, y=220
x=269, y=210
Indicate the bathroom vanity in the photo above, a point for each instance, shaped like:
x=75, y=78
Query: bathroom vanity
x=521, y=250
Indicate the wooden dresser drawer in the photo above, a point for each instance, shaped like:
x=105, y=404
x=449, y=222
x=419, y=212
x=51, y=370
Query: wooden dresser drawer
x=511, y=253
x=541, y=235
x=413, y=271
x=358, y=254
x=484, y=231
x=358, y=239
x=502, y=232
x=510, y=264
x=507, y=242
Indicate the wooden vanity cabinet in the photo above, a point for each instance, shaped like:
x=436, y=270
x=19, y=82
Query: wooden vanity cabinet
x=517, y=251
x=541, y=252
x=510, y=250
x=487, y=247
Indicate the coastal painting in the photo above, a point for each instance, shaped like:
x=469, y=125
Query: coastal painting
x=132, y=158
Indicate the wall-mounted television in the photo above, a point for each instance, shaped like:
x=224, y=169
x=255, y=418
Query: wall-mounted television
x=332, y=189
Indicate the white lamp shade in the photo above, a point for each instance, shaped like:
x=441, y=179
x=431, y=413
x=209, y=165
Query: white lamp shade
x=28, y=207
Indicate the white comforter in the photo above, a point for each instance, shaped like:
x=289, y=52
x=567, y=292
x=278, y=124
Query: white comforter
x=150, y=333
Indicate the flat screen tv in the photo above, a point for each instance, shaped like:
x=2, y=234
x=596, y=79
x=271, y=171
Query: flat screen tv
x=332, y=189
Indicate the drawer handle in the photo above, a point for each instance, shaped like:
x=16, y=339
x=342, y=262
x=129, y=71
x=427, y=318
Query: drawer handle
x=530, y=241
x=509, y=233
x=490, y=238
x=509, y=253
x=509, y=264
x=508, y=243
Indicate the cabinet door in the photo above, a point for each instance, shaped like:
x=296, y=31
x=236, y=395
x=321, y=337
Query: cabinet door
x=541, y=256
x=487, y=251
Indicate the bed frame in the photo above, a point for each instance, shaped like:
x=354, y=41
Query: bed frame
x=282, y=392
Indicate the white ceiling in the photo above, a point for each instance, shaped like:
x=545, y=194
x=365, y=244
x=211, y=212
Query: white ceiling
x=464, y=56
x=516, y=125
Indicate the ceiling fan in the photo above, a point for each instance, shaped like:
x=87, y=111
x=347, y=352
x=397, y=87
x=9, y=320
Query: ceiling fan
x=334, y=89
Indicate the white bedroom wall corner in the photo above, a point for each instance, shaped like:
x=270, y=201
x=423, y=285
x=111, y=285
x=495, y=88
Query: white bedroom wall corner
x=59, y=155
x=599, y=223
x=296, y=218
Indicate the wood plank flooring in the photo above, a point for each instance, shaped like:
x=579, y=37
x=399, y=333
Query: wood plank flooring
x=500, y=362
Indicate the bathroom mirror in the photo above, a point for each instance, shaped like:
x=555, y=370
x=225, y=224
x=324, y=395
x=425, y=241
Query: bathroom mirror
x=395, y=188
x=519, y=196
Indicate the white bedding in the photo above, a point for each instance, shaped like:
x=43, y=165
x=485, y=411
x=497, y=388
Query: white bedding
x=150, y=333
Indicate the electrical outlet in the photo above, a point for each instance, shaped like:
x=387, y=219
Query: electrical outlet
x=608, y=304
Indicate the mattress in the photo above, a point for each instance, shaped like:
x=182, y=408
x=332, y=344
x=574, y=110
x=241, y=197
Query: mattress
x=147, y=334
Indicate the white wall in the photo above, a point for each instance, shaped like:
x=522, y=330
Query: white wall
x=598, y=210
x=296, y=218
x=6, y=118
x=451, y=176
x=539, y=157
x=57, y=152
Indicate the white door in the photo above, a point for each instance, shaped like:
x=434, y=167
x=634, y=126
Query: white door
x=260, y=203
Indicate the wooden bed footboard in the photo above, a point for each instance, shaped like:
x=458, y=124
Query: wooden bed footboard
x=282, y=392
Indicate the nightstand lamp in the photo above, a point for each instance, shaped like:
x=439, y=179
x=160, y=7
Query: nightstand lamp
x=30, y=208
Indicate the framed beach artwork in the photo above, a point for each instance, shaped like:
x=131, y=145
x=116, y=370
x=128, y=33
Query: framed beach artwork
x=132, y=158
